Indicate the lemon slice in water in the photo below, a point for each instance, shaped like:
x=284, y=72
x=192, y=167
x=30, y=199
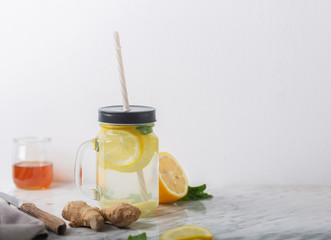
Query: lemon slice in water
x=146, y=208
x=125, y=151
x=119, y=149
x=105, y=203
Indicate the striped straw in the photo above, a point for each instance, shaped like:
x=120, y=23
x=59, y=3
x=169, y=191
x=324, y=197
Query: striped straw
x=126, y=106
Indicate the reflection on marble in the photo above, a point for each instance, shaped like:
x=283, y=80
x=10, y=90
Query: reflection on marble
x=236, y=213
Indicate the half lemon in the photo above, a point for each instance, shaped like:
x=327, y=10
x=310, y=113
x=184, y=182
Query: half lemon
x=173, y=183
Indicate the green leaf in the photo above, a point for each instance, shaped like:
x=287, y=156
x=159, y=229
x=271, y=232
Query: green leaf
x=96, y=144
x=137, y=197
x=141, y=236
x=196, y=193
x=146, y=129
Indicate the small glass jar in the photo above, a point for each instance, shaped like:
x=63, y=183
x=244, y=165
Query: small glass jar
x=32, y=167
x=127, y=159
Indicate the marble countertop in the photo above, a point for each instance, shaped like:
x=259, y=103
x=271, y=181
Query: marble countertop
x=236, y=213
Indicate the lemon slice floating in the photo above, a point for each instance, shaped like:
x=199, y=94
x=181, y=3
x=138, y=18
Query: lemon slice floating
x=146, y=208
x=119, y=148
x=187, y=232
x=105, y=203
x=125, y=150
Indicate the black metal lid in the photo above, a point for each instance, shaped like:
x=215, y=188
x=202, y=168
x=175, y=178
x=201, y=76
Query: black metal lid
x=136, y=115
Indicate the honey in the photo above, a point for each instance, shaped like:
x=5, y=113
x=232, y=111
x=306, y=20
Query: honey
x=33, y=175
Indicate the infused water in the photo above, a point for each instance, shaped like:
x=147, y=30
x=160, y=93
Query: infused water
x=128, y=154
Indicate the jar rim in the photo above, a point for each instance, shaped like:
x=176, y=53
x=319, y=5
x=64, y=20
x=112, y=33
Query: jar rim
x=137, y=115
x=127, y=124
x=32, y=139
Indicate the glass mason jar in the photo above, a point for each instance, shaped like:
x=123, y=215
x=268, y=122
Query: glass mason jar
x=127, y=158
x=32, y=167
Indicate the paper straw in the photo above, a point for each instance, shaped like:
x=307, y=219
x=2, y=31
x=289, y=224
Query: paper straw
x=126, y=106
x=120, y=69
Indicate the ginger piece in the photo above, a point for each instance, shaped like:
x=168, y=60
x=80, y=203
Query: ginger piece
x=121, y=214
x=82, y=215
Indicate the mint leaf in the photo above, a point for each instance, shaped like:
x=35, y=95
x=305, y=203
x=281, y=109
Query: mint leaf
x=196, y=193
x=141, y=236
x=137, y=197
x=146, y=129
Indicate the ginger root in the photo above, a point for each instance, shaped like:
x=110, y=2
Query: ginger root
x=121, y=214
x=82, y=215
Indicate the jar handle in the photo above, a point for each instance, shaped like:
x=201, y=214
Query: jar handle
x=90, y=193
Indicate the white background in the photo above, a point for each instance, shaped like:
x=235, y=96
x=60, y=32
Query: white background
x=241, y=88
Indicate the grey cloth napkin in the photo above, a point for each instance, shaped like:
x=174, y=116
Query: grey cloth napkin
x=16, y=225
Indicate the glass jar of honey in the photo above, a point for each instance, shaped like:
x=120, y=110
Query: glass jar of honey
x=32, y=168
